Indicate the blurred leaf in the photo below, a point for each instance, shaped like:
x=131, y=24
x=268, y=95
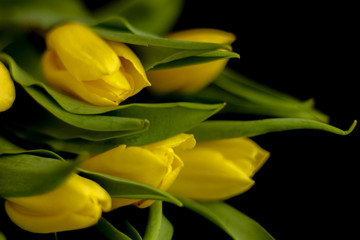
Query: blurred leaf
x=244, y=95
x=154, y=50
x=41, y=14
x=233, y=222
x=158, y=227
x=132, y=232
x=32, y=173
x=2, y=236
x=109, y=231
x=124, y=188
x=156, y=16
x=212, y=130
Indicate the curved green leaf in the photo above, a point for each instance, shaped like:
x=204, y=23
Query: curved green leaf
x=132, y=232
x=233, y=222
x=158, y=227
x=212, y=130
x=119, y=29
x=166, y=229
x=124, y=188
x=109, y=231
x=31, y=173
x=89, y=122
x=154, y=50
x=244, y=95
x=166, y=120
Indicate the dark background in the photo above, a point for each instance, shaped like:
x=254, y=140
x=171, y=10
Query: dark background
x=308, y=188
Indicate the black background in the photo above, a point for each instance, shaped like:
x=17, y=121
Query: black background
x=308, y=188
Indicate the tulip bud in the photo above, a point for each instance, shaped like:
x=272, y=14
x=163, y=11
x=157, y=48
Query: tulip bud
x=76, y=204
x=7, y=89
x=80, y=63
x=192, y=78
x=155, y=164
x=217, y=170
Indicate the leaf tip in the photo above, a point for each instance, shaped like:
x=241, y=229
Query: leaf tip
x=351, y=128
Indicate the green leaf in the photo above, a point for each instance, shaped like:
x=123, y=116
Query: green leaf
x=158, y=227
x=156, y=16
x=32, y=172
x=154, y=50
x=243, y=95
x=109, y=231
x=132, y=232
x=212, y=130
x=233, y=222
x=89, y=122
x=165, y=60
x=166, y=229
x=41, y=14
x=44, y=123
x=124, y=188
x=166, y=120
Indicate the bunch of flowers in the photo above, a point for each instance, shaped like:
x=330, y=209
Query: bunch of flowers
x=108, y=109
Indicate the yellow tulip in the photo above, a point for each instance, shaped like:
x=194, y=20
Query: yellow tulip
x=7, y=89
x=76, y=204
x=217, y=170
x=154, y=164
x=192, y=78
x=80, y=63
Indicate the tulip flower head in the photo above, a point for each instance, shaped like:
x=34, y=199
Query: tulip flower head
x=80, y=63
x=154, y=164
x=7, y=89
x=76, y=204
x=218, y=170
x=192, y=78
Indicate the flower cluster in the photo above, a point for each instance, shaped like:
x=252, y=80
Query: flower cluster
x=76, y=142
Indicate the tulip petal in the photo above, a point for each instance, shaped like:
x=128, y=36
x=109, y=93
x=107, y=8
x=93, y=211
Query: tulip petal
x=7, y=89
x=131, y=64
x=179, y=142
x=129, y=162
x=133, y=163
x=78, y=203
x=155, y=164
x=83, y=53
x=207, y=175
x=245, y=153
x=189, y=79
x=61, y=79
x=50, y=223
x=204, y=35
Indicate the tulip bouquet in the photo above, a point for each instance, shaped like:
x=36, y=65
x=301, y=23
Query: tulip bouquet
x=107, y=113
